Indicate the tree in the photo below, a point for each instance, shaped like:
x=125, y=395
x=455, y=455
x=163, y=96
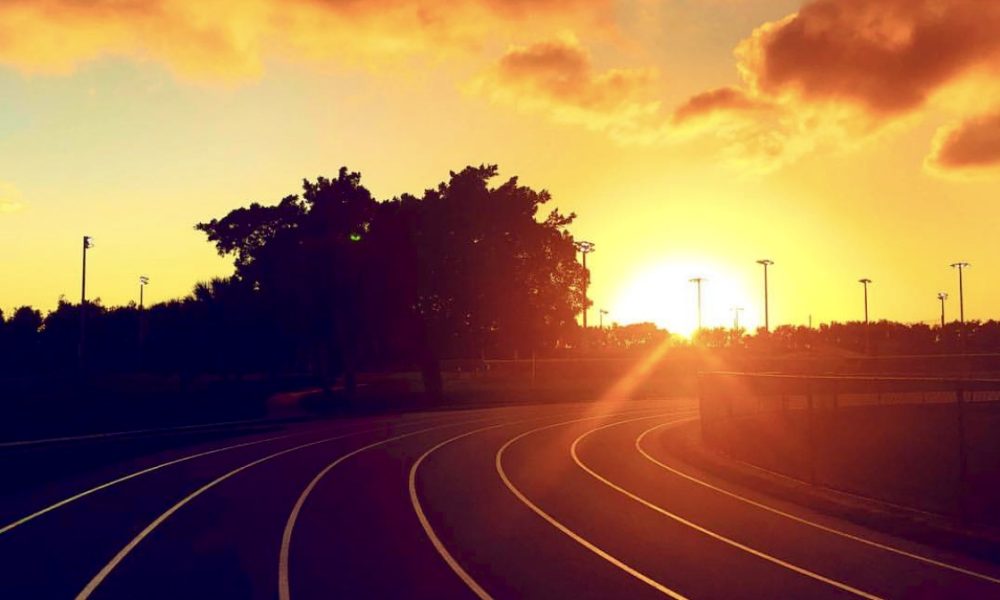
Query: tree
x=466, y=269
x=306, y=258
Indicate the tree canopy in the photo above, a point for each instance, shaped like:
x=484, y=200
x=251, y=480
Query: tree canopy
x=465, y=269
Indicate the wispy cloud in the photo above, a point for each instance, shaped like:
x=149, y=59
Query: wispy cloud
x=558, y=78
x=10, y=199
x=230, y=39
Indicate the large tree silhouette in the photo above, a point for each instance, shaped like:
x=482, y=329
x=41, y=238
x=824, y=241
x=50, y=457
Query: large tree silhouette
x=465, y=270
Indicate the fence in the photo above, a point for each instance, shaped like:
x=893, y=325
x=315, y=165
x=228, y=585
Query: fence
x=927, y=443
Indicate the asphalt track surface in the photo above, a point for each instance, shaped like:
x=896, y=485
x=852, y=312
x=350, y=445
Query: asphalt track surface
x=557, y=501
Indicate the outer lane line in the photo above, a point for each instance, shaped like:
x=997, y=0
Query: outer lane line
x=797, y=519
x=712, y=534
x=139, y=473
x=442, y=550
x=429, y=530
x=284, y=586
x=99, y=578
x=566, y=530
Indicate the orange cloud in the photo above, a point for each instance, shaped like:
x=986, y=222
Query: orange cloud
x=887, y=57
x=969, y=148
x=210, y=39
x=843, y=70
x=559, y=78
x=717, y=101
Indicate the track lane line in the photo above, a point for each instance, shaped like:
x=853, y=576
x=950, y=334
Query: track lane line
x=17, y=523
x=125, y=478
x=704, y=530
x=284, y=586
x=99, y=578
x=563, y=528
x=442, y=550
x=804, y=521
x=469, y=581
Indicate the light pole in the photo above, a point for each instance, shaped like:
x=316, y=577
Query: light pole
x=697, y=281
x=585, y=248
x=865, y=281
x=868, y=332
x=736, y=323
x=143, y=282
x=942, y=296
x=961, y=292
x=88, y=243
x=766, y=262
x=600, y=316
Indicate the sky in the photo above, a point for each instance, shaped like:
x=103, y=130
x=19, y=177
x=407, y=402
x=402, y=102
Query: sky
x=839, y=138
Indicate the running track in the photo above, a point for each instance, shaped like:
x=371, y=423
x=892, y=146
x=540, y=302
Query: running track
x=558, y=501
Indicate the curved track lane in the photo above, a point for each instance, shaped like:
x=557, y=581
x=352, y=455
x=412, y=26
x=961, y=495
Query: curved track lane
x=573, y=500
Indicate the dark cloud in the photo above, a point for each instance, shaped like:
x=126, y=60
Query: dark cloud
x=970, y=146
x=886, y=56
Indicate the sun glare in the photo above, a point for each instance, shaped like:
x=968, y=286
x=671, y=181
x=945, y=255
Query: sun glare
x=664, y=294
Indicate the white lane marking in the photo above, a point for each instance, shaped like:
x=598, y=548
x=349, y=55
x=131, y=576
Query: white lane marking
x=284, y=588
x=114, y=562
x=425, y=523
x=125, y=478
x=139, y=432
x=566, y=530
x=797, y=519
x=429, y=530
x=146, y=471
x=712, y=534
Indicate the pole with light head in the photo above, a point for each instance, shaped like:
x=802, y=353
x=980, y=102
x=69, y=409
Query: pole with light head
x=585, y=248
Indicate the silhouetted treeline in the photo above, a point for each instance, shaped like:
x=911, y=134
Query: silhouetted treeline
x=332, y=281
x=885, y=338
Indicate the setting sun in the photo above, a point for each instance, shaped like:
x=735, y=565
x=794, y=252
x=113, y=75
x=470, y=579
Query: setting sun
x=663, y=293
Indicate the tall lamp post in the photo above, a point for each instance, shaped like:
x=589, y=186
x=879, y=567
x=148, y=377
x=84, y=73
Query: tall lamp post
x=600, y=316
x=585, y=248
x=865, y=281
x=942, y=296
x=143, y=282
x=88, y=243
x=697, y=282
x=766, y=262
x=961, y=292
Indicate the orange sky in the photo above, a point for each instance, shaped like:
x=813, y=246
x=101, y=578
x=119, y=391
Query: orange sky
x=840, y=138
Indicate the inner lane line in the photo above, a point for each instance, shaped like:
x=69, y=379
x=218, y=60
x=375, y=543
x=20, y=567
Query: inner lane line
x=563, y=528
x=712, y=534
x=804, y=521
x=435, y=540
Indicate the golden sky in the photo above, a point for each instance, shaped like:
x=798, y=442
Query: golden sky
x=840, y=138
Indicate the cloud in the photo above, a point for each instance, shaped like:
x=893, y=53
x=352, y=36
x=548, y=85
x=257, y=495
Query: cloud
x=887, y=57
x=230, y=39
x=969, y=148
x=10, y=199
x=559, y=78
x=725, y=100
x=843, y=71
